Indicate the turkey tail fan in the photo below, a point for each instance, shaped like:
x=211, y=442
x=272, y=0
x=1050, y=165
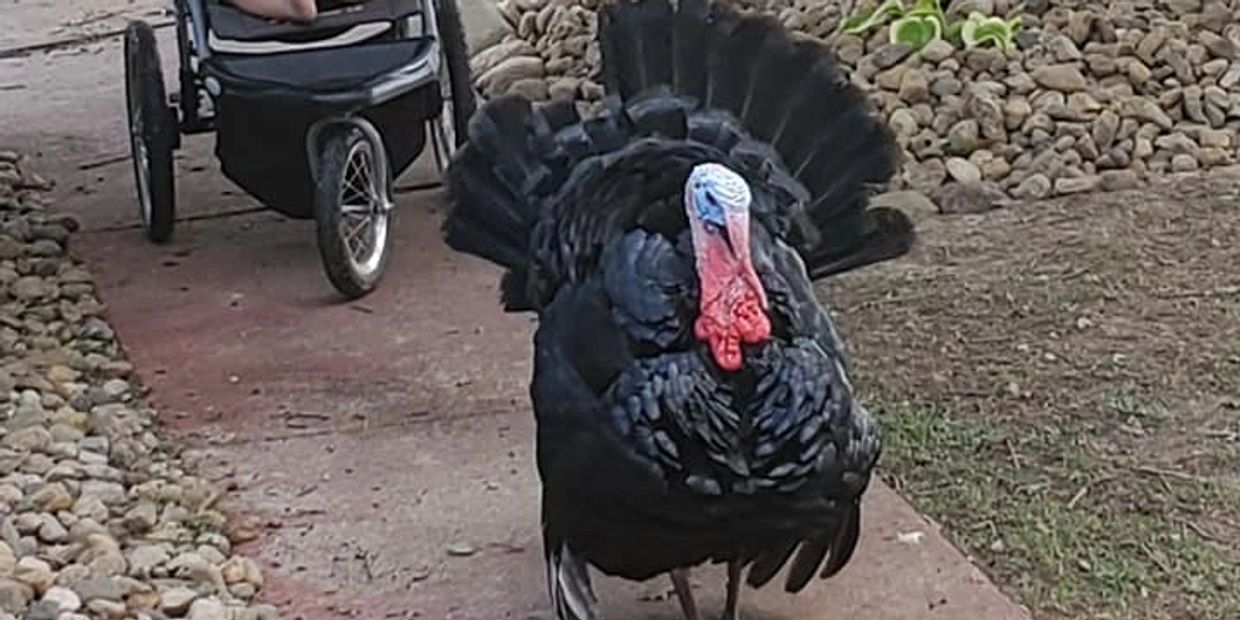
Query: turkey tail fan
x=886, y=234
x=784, y=92
x=493, y=182
x=691, y=49
x=700, y=74
x=733, y=59
x=489, y=215
x=637, y=51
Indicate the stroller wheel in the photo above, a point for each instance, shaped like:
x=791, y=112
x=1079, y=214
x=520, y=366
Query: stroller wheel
x=352, y=210
x=446, y=132
x=152, y=131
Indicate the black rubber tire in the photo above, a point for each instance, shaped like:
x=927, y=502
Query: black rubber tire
x=452, y=37
x=333, y=152
x=145, y=96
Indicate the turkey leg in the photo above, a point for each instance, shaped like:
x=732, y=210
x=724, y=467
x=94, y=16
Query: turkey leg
x=732, y=603
x=684, y=592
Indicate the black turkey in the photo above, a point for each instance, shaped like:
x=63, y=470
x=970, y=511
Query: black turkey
x=692, y=397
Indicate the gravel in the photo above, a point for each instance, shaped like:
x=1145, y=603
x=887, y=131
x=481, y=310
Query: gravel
x=1098, y=96
x=99, y=516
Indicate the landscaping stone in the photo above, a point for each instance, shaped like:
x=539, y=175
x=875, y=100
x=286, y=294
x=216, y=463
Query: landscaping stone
x=82, y=532
x=1094, y=87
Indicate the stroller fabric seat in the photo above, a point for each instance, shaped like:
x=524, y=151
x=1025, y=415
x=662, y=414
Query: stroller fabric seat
x=321, y=70
x=229, y=22
x=342, y=77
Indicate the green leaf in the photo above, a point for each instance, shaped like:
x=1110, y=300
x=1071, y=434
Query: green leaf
x=927, y=8
x=856, y=24
x=864, y=22
x=982, y=31
x=916, y=31
x=890, y=8
x=952, y=33
x=931, y=9
x=968, y=34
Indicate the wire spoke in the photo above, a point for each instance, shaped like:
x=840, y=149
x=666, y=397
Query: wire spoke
x=351, y=175
x=366, y=168
x=355, y=237
x=349, y=241
x=353, y=229
x=371, y=189
x=358, y=230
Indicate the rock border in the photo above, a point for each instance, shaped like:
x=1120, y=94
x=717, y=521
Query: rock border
x=1098, y=96
x=100, y=517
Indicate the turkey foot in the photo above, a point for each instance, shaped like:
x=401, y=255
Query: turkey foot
x=732, y=603
x=684, y=592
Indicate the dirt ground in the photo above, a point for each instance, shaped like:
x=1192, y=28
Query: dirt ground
x=384, y=447
x=1060, y=384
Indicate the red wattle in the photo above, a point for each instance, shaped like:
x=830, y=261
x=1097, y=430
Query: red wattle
x=725, y=327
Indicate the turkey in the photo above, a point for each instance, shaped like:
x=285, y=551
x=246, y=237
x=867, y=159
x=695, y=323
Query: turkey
x=691, y=395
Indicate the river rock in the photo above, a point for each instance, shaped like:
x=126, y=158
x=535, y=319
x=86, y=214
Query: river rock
x=1061, y=77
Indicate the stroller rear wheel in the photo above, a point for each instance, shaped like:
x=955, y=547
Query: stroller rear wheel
x=447, y=130
x=152, y=131
x=352, y=209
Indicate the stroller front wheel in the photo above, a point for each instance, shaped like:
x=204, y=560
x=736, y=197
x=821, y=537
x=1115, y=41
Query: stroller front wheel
x=352, y=210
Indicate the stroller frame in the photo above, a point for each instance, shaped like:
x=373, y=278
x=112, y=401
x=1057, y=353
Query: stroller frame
x=313, y=120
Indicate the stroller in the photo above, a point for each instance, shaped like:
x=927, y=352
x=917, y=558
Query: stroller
x=314, y=120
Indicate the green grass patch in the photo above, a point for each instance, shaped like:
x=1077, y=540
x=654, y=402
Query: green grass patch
x=1073, y=534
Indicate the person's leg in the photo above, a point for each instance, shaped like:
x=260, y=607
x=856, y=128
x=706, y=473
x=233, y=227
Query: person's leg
x=293, y=10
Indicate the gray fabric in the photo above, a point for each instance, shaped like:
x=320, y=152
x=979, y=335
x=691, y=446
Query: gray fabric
x=229, y=22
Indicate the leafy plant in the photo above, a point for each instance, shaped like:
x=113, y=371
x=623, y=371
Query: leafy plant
x=925, y=21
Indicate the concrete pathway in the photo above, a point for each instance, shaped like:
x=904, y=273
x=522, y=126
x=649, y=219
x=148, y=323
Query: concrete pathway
x=383, y=447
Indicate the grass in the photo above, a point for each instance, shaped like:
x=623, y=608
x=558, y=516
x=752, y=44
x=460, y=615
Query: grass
x=1028, y=522
x=1059, y=386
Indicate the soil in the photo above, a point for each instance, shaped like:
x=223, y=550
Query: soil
x=1060, y=386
